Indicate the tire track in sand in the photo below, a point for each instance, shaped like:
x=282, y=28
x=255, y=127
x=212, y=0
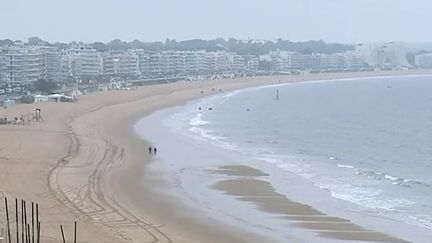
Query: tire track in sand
x=89, y=200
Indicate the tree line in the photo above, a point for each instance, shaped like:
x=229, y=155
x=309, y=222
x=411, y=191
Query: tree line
x=243, y=47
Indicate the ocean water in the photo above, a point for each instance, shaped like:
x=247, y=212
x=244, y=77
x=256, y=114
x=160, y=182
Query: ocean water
x=363, y=147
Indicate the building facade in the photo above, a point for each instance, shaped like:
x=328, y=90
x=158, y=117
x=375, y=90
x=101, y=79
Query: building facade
x=424, y=60
x=390, y=54
x=52, y=63
x=83, y=62
x=22, y=65
x=120, y=63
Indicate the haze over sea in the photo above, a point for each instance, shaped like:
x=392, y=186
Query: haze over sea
x=358, y=148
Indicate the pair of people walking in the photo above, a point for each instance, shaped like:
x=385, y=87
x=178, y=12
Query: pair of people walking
x=150, y=149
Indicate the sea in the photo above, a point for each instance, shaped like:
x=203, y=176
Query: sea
x=354, y=148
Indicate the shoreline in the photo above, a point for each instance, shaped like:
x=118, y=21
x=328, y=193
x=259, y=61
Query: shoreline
x=98, y=158
x=167, y=165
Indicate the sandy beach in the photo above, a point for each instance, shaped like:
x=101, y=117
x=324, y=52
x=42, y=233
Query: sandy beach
x=83, y=163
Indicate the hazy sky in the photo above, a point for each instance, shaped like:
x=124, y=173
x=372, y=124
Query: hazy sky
x=330, y=20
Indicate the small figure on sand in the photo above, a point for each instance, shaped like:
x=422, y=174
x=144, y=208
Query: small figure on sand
x=150, y=150
x=155, y=150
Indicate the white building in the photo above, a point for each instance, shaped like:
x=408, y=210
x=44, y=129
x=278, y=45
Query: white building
x=162, y=63
x=120, y=63
x=173, y=62
x=287, y=60
x=424, y=60
x=284, y=60
x=251, y=63
x=66, y=66
x=354, y=59
x=383, y=54
x=52, y=63
x=22, y=64
x=144, y=68
x=196, y=62
x=219, y=62
x=83, y=61
x=2, y=66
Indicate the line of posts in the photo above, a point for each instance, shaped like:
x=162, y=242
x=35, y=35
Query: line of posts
x=28, y=230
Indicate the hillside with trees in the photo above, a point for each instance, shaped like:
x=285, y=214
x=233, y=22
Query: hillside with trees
x=243, y=47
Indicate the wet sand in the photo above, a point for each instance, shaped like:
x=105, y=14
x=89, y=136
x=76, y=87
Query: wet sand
x=85, y=163
x=249, y=187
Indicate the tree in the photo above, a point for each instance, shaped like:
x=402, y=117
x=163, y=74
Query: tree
x=34, y=41
x=44, y=86
x=6, y=42
x=28, y=99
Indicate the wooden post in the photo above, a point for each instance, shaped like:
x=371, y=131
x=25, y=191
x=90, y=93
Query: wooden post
x=22, y=221
x=25, y=221
x=16, y=220
x=38, y=231
x=75, y=231
x=7, y=219
x=63, y=237
x=28, y=233
x=38, y=223
x=32, y=223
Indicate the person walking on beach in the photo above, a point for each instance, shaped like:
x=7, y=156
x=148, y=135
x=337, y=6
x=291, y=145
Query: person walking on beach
x=150, y=150
x=155, y=150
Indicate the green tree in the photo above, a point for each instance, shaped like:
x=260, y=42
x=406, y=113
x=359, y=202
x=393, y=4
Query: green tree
x=28, y=99
x=44, y=86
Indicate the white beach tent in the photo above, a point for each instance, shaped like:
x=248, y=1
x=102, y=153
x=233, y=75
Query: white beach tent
x=55, y=97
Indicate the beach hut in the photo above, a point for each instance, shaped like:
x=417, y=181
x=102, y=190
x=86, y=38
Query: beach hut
x=8, y=103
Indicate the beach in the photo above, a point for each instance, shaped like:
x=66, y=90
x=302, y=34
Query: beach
x=84, y=161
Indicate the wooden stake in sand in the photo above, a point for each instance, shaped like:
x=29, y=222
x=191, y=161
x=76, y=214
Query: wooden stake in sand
x=37, y=223
x=38, y=232
x=16, y=220
x=32, y=222
x=28, y=233
x=63, y=237
x=75, y=231
x=25, y=222
x=22, y=221
x=7, y=219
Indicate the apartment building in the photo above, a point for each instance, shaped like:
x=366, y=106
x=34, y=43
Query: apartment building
x=120, y=63
x=286, y=60
x=383, y=54
x=20, y=64
x=52, y=63
x=424, y=60
x=1, y=68
x=83, y=62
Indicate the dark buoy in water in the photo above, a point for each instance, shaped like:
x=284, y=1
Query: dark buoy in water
x=247, y=109
x=199, y=108
x=389, y=86
x=210, y=108
x=202, y=92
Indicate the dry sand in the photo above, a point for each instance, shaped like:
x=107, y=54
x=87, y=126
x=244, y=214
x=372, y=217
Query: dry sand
x=83, y=163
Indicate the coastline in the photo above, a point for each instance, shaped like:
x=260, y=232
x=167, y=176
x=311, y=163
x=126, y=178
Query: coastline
x=98, y=160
